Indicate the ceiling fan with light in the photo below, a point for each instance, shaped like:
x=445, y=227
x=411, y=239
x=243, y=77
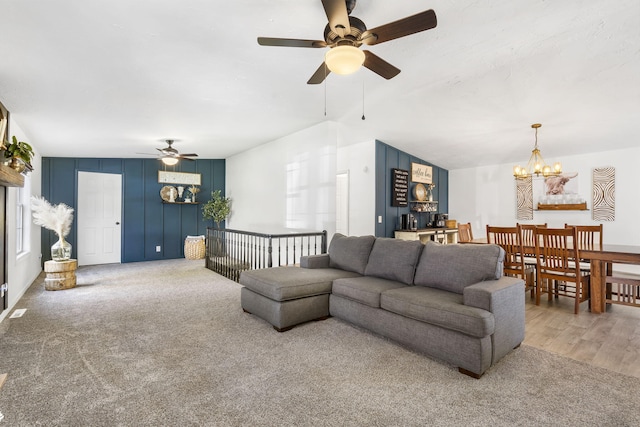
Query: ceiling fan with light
x=344, y=34
x=170, y=155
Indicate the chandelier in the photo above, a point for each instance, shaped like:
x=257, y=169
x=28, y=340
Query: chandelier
x=536, y=165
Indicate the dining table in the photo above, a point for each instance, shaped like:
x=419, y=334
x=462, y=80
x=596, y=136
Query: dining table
x=599, y=257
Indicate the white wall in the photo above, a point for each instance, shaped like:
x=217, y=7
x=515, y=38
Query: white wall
x=285, y=185
x=22, y=271
x=290, y=184
x=487, y=195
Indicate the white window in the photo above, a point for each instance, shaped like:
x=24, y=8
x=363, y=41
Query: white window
x=23, y=218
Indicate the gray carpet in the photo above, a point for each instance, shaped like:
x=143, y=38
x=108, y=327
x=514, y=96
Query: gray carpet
x=166, y=343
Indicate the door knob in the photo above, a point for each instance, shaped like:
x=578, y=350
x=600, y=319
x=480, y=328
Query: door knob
x=117, y=223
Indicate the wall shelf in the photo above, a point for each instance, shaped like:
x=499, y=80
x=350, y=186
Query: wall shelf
x=10, y=177
x=180, y=203
x=563, y=207
x=423, y=206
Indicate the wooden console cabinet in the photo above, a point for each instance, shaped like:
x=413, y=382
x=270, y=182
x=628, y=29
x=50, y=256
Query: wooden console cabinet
x=440, y=235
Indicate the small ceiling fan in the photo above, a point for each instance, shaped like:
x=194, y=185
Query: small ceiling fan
x=170, y=155
x=345, y=34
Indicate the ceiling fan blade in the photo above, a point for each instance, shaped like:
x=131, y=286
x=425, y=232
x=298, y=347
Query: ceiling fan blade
x=336, y=11
x=379, y=65
x=403, y=27
x=271, y=41
x=321, y=73
x=188, y=155
x=184, y=158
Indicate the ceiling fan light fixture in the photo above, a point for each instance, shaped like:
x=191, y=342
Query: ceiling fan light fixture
x=169, y=161
x=344, y=59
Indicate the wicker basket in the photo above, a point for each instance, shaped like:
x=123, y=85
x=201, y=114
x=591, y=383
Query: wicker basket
x=451, y=223
x=194, y=247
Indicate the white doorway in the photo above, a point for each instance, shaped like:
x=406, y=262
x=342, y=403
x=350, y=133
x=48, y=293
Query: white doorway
x=99, y=218
x=342, y=203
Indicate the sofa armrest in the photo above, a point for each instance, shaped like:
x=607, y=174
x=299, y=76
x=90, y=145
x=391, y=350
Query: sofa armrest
x=505, y=299
x=315, y=261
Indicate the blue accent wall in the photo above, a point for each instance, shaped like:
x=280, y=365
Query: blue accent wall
x=146, y=221
x=388, y=158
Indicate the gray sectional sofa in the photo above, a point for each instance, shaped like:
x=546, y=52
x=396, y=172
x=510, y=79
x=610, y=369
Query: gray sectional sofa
x=448, y=301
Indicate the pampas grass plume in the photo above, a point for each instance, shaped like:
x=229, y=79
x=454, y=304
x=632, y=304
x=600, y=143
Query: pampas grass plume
x=56, y=218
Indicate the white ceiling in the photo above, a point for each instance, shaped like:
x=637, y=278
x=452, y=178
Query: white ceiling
x=113, y=78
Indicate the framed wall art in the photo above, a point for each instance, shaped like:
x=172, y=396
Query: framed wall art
x=169, y=177
x=421, y=173
x=604, y=194
x=524, y=199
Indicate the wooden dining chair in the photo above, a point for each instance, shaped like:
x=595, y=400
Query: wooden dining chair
x=529, y=245
x=590, y=236
x=465, y=233
x=510, y=239
x=528, y=241
x=556, y=250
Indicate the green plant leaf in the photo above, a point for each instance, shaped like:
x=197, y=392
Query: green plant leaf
x=217, y=209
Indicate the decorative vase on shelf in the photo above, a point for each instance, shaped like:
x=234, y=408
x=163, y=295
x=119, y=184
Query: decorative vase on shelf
x=61, y=250
x=17, y=164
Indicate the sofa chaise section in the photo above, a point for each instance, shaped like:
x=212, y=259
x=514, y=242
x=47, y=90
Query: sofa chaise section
x=288, y=296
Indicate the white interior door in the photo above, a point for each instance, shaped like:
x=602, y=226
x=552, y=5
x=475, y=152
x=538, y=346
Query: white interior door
x=342, y=203
x=99, y=218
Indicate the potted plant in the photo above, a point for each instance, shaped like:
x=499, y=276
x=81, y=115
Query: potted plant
x=217, y=209
x=20, y=154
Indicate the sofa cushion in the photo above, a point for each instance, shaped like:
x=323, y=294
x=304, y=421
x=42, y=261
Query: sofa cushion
x=365, y=290
x=394, y=259
x=438, y=307
x=287, y=283
x=350, y=253
x=454, y=267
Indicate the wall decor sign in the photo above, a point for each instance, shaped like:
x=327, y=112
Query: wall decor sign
x=4, y=127
x=168, y=177
x=524, y=199
x=604, y=194
x=399, y=187
x=421, y=173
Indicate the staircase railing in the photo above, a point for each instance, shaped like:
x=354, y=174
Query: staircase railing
x=230, y=252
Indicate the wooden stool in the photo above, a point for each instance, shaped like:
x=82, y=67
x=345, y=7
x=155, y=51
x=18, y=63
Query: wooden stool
x=60, y=275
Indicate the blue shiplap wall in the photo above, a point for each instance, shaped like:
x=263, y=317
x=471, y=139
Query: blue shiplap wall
x=146, y=221
x=388, y=158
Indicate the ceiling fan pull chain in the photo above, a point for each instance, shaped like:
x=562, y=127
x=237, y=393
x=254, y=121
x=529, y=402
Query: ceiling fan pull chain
x=325, y=89
x=363, y=98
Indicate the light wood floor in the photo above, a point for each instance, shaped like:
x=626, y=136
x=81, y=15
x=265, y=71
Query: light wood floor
x=610, y=340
